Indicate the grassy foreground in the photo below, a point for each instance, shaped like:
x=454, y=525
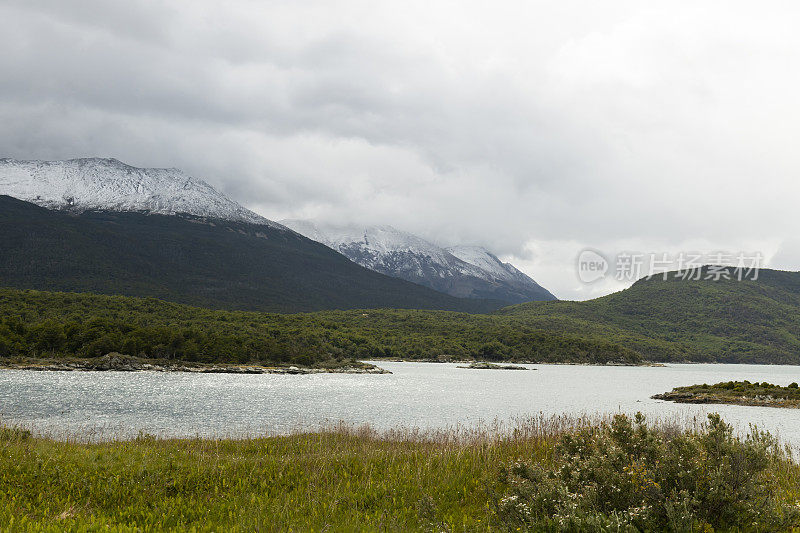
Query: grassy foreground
x=545, y=476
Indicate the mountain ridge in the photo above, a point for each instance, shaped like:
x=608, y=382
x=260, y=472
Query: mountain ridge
x=194, y=260
x=461, y=271
x=107, y=184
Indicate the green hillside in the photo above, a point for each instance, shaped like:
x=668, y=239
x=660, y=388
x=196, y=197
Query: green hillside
x=217, y=264
x=52, y=325
x=656, y=320
x=749, y=321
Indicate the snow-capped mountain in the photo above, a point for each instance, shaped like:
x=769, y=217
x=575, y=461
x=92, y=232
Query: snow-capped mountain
x=463, y=271
x=107, y=184
x=94, y=184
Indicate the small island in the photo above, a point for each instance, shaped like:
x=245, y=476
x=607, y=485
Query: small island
x=736, y=393
x=492, y=366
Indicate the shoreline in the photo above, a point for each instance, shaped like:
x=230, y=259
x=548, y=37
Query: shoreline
x=123, y=363
x=708, y=399
x=516, y=362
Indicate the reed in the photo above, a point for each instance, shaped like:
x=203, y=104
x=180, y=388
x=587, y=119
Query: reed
x=338, y=478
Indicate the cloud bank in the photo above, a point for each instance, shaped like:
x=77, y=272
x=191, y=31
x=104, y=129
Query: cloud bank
x=535, y=129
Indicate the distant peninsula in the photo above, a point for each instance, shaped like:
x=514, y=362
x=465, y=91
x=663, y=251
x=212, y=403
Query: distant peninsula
x=125, y=363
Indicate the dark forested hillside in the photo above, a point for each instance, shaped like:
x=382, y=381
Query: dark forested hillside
x=210, y=263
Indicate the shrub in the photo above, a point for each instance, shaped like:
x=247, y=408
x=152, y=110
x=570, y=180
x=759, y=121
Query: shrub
x=626, y=475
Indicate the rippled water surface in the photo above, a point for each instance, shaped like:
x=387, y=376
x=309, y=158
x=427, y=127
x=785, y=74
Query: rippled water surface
x=426, y=395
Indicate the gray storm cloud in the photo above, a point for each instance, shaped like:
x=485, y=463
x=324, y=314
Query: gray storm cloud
x=533, y=128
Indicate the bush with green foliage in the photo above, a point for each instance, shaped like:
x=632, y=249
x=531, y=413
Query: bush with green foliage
x=627, y=476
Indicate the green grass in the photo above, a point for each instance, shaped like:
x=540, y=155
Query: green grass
x=318, y=481
x=336, y=480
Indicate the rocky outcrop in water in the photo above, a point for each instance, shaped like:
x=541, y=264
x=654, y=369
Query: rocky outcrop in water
x=493, y=366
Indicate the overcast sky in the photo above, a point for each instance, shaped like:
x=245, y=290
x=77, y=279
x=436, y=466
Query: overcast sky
x=535, y=129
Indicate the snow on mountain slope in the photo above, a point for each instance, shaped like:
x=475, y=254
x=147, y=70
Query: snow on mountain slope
x=110, y=185
x=486, y=261
x=463, y=271
x=379, y=242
